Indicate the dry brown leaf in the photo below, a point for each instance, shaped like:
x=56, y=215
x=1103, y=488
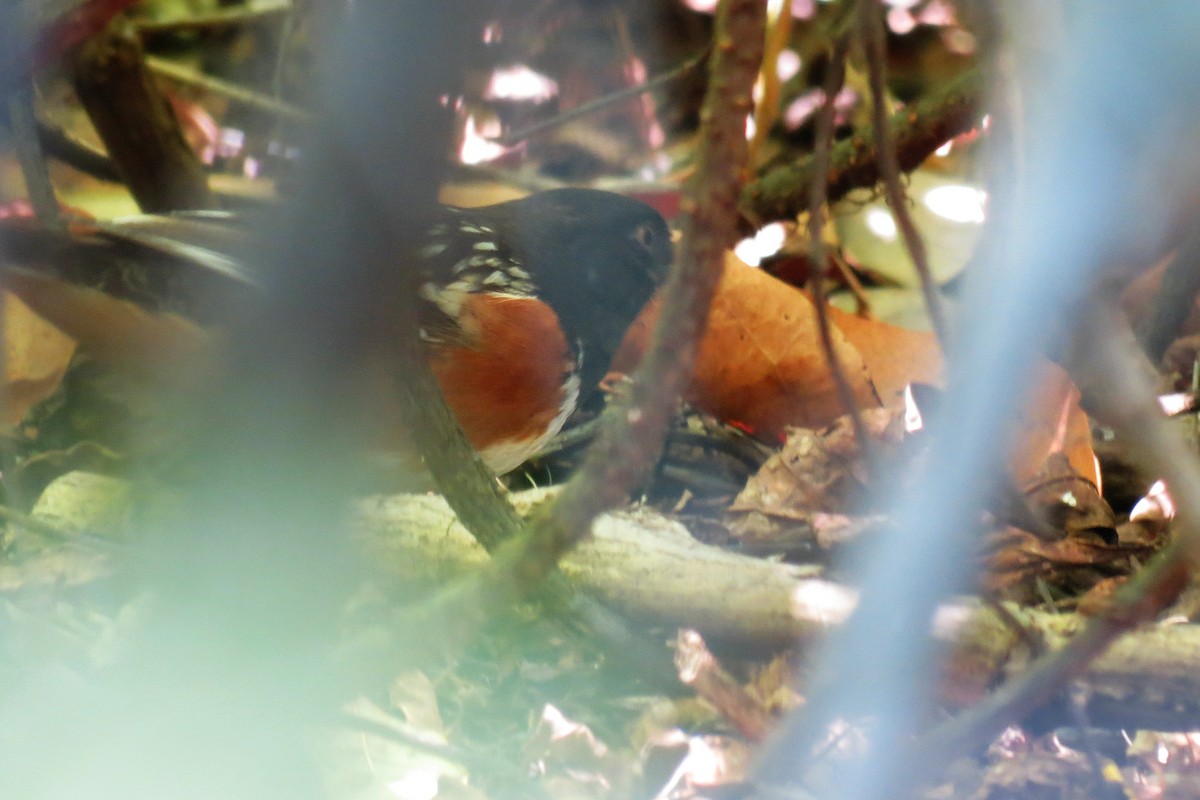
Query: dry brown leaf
x=1018, y=561
x=816, y=470
x=572, y=761
x=36, y=356
x=774, y=685
x=117, y=332
x=760, y=365
x=1069, y=502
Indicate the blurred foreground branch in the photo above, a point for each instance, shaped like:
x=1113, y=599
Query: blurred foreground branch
x=632, y=434
x=138, y=126
x=1090, y=151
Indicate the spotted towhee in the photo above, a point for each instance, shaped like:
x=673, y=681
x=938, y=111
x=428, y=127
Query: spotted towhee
x=527, y=303
x=523, y=303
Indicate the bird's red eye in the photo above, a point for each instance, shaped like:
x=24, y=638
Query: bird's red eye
x=644, y=234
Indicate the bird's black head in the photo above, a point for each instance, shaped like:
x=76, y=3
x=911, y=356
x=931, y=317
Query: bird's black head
x=596, y=258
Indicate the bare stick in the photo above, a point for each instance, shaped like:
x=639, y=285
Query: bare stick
x=239, y=94
x=601, y=103
x=32, y=159
x=470, y=488
x=631, y=436
x=779, y=29
x=57, y=143
x=834, y=77
x=217, y=19
x=874, y=42
x=699, y=668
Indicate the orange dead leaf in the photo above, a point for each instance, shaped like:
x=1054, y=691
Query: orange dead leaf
x=1140, y=295
x=894, y=356
x=1051, y=421
x=760, y=362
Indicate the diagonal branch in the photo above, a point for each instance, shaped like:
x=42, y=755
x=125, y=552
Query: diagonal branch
x=631, y=439
x=871, y=30
x=781, y=192
x=139, y=129
x=835, y=76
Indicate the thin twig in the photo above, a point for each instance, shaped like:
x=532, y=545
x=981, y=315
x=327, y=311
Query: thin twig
x=700, y=669
x=571, y=437
x=646, y=115
x=857, y=290
x=601, y=103
x=226, y=18
x=834, y=76
x=239, y=94
x=874, y=42
x=59, y=144
x=32, y=159
x=469, y=487
x=779, y=29
x=281, y=55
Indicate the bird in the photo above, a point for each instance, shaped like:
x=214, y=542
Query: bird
x=522, y=303
x=526, y=304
